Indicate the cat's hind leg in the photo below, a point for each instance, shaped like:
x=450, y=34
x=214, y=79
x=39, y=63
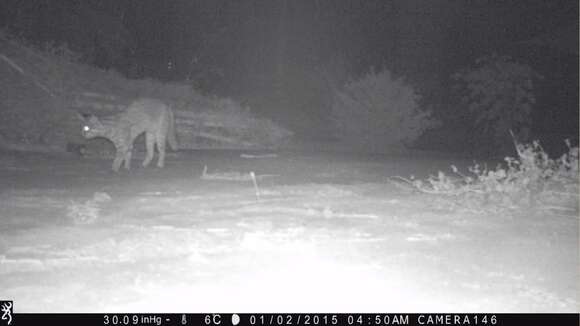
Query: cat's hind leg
x=150, y=146
x=161, y=149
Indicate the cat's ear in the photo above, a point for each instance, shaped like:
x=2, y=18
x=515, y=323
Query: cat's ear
x=93, y=119
x=84, y=117
x=88, y=118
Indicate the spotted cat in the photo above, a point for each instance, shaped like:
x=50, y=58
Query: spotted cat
x=149, y=116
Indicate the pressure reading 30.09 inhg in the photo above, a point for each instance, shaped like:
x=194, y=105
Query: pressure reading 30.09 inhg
x=132, y=319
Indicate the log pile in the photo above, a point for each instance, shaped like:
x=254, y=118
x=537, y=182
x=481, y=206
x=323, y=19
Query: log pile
x=204, y=123
x=45, y=88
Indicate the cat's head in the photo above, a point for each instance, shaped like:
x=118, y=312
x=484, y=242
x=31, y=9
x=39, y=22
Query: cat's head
x=91, y=126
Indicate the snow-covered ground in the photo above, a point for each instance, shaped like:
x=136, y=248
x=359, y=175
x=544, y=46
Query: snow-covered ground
x=328, y=233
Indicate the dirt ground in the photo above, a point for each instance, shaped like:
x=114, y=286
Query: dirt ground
x=328, y=233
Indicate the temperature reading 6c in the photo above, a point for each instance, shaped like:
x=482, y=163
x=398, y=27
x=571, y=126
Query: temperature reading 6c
x=212, y=319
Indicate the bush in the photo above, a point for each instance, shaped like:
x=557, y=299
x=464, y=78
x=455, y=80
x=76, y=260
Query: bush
x=499, y=96
x=378, y=112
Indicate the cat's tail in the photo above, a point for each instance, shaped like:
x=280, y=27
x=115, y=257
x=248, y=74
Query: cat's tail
x=171, y=132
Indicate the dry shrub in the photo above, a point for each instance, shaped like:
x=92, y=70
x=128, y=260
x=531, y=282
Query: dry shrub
x=532, y=180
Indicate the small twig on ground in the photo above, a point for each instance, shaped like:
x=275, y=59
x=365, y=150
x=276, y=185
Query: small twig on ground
x=253, y=175
x=272, y=155
x=423, y=189
x=406, y=185
x=233, y=176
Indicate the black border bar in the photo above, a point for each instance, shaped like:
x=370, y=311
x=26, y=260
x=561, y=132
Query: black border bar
x=283, y=319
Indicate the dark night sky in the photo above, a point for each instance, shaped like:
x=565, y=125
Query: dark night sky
x=279, y=50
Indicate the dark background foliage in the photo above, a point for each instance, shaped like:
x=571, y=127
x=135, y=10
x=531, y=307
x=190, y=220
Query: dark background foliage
x=284, y=57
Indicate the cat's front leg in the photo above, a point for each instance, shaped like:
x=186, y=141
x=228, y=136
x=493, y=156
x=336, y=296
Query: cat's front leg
x=127, y=159
x=119, y=158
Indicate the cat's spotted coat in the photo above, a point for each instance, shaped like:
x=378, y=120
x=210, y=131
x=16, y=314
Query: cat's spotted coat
x=149, y=116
